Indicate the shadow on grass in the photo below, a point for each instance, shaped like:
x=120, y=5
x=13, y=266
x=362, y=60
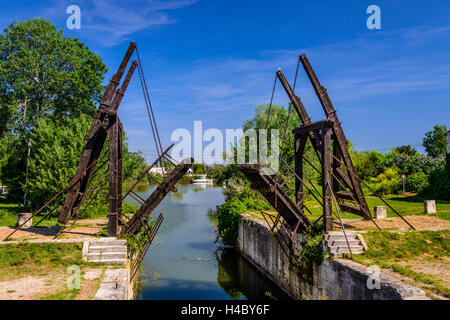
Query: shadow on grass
x=416, y=199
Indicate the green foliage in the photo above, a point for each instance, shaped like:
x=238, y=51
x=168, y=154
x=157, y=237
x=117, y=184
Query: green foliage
x=199, y=168
x=228, y=214
x=413, y=164
x=228, y=219
x=55, y=152
x=417, y=182
x=133, y=163
x=439, y=182
x=278, y=119
x=218, y=173
x=388, y=182
x=311, y=253
x=434, y=142
x=368, y=164
x=137, y=241
x=43, y=73
x=406, y=150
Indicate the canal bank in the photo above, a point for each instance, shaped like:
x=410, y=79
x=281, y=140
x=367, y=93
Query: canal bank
x=335, y=279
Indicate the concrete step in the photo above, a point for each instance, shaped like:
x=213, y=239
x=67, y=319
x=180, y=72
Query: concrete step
x=97, y=249
x=106, y=255
x=341, y=236
x=114, y=243
x=340, y=242
x=355, y=249
x=109, y=261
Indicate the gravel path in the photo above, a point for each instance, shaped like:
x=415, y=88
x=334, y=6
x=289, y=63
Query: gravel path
x=88, y=228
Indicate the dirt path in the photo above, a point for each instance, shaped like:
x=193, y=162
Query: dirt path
x=52, y=286
x=419, y=222
x=87, y=228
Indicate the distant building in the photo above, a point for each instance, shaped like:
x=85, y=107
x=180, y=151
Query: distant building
x=159, y=170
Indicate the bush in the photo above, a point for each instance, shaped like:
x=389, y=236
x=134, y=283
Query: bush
x=388, y=182
x=417, y=182
x=439, y=182
x=368, y=164
x=412, y=164
x=228, y=219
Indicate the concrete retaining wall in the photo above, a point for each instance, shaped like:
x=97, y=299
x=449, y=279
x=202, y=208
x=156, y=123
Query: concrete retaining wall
x=335, y=279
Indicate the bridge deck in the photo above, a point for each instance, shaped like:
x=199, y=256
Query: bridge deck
x=275, y=195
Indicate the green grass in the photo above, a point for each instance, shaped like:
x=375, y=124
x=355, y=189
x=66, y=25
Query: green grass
x=391, y=246
x=39, y=258
x=50, y=254
x=67, y=294
x=389, y=249
x=406, y=206
x=9, y=211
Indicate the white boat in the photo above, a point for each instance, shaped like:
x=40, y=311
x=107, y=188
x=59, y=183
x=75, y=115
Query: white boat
x=203, y=180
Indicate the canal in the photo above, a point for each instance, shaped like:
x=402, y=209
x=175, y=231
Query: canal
x=186, y=261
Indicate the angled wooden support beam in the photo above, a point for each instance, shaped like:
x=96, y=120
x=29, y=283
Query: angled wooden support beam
x=341, y=141
x=300, y=108
x=95, y=138
x=132, y=226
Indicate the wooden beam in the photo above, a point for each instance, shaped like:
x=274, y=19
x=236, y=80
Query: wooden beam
x=132, y=225
x=300, y=108
x=326, y=179
x=330, y=112
x=96, y=137
x=313, y=126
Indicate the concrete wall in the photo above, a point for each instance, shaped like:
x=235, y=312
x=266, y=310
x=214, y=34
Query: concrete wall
x=335, y=279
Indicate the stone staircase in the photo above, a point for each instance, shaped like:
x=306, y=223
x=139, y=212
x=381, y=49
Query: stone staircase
x=106, y=250
x=336, y=244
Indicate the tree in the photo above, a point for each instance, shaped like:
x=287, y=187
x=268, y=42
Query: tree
x=133, y=163
x=368, y=164
x=55, y=152
x=44, y=74
x=285, y=122
x=435, y=141
x=406, y=150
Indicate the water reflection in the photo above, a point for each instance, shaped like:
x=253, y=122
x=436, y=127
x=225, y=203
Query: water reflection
x=185, y=260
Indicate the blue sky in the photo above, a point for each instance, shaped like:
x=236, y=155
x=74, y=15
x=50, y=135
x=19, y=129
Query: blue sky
x=215, y=60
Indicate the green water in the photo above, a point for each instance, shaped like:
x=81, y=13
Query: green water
x=186, y=261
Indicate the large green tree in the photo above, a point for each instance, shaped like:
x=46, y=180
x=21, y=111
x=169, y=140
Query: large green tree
x=45, y=74
x=435, y=141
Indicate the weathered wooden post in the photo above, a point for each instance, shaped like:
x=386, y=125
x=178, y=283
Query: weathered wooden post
x=326, y=178
x=300, y=143
x=113, y=179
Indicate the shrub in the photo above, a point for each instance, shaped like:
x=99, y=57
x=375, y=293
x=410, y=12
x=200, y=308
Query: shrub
x=228, y=219
x=388, y=182
x=417, y=182
x=368, y=164
x=439, y=182
x=412, y=164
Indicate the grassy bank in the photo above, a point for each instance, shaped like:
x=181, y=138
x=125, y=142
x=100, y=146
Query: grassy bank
x=10, y=210
x=421, y=257
x=46, y=265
